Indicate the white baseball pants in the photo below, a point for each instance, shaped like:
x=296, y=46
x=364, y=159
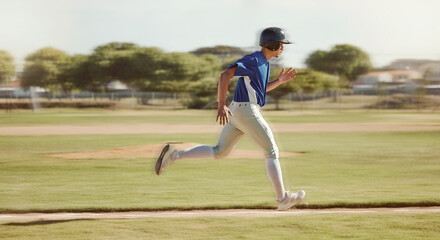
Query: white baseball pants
x=248, y=120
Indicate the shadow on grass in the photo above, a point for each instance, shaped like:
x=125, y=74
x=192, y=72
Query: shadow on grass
x=42, y=222
x=255, y=206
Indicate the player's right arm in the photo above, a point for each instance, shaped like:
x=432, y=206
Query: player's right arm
x=223, y=110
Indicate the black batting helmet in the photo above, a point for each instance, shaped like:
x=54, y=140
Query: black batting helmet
x=271, y=38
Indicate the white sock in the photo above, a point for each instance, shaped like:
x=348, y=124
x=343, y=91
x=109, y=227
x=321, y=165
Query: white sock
x=276, y=177
x=201, y=151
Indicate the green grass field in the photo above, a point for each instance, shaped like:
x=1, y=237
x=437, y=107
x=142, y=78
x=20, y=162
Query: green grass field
x=338, y=169
x=344, y=169
x=400, y=226
x=106, y=117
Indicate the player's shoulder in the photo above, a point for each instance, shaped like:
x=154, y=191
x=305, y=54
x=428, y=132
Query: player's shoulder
x=252, y=57
x=256, y=58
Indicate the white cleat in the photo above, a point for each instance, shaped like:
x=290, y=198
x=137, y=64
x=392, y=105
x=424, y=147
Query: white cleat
x=291, y=200
x=165, y=158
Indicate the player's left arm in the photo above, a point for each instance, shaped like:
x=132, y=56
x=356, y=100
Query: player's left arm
x=284, y=77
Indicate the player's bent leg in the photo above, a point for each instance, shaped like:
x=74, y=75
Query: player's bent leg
x=200, y=151
x=169, y=155
x=229, y=137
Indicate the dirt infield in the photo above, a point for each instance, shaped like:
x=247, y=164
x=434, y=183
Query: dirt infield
x=154, y=128
x=28, y=217
x=153, y=150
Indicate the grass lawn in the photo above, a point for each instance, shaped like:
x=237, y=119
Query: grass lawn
x=106, y=117
x=337, y=169
x=399, y=226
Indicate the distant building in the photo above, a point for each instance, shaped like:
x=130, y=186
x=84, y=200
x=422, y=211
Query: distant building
x=404, y=75
x=428, y=69
x=116, y=86
x=14, y=90
x=408, y=64
x=431, y=72
x=374, y=78
x=393, y=81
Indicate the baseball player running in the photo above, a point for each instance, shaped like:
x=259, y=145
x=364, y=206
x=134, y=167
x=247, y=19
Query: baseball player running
x=243, y=114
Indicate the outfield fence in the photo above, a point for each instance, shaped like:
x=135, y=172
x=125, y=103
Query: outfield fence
x=163, y=100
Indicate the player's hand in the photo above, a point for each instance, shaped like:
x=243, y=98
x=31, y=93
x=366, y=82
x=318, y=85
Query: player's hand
x=285, y=76
x=222, y=115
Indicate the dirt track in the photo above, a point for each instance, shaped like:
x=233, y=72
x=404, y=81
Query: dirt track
x=153, y=150
x=206, y=213
x=155, y=128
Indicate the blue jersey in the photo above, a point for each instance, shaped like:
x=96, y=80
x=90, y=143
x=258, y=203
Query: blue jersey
x=253, y=70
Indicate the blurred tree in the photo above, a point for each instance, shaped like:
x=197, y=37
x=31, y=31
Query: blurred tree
x=84, y=73
x=306, y=81
x=177, y=70
x=7, y=67
x=121, y=61
x=204, y=93
x=115, y=46
x=344, y=60
x=213, y=63
x=310, y=81
x=184, y=67
x=147, y=69
x=316, y=60
x=221, y=51
x=112, y=61
x=144, y=70
x=44, y=68
x=283, y=89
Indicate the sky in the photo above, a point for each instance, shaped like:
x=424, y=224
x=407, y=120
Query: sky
x=386, y=29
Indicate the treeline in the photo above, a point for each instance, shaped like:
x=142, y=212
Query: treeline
x=152, y=69
x=140, y=68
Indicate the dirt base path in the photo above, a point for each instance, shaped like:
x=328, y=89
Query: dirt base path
x=153, y=150
x=29, y=217
x=155, y=128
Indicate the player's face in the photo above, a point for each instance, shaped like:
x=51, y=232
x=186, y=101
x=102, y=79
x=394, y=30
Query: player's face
x=279, y=51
